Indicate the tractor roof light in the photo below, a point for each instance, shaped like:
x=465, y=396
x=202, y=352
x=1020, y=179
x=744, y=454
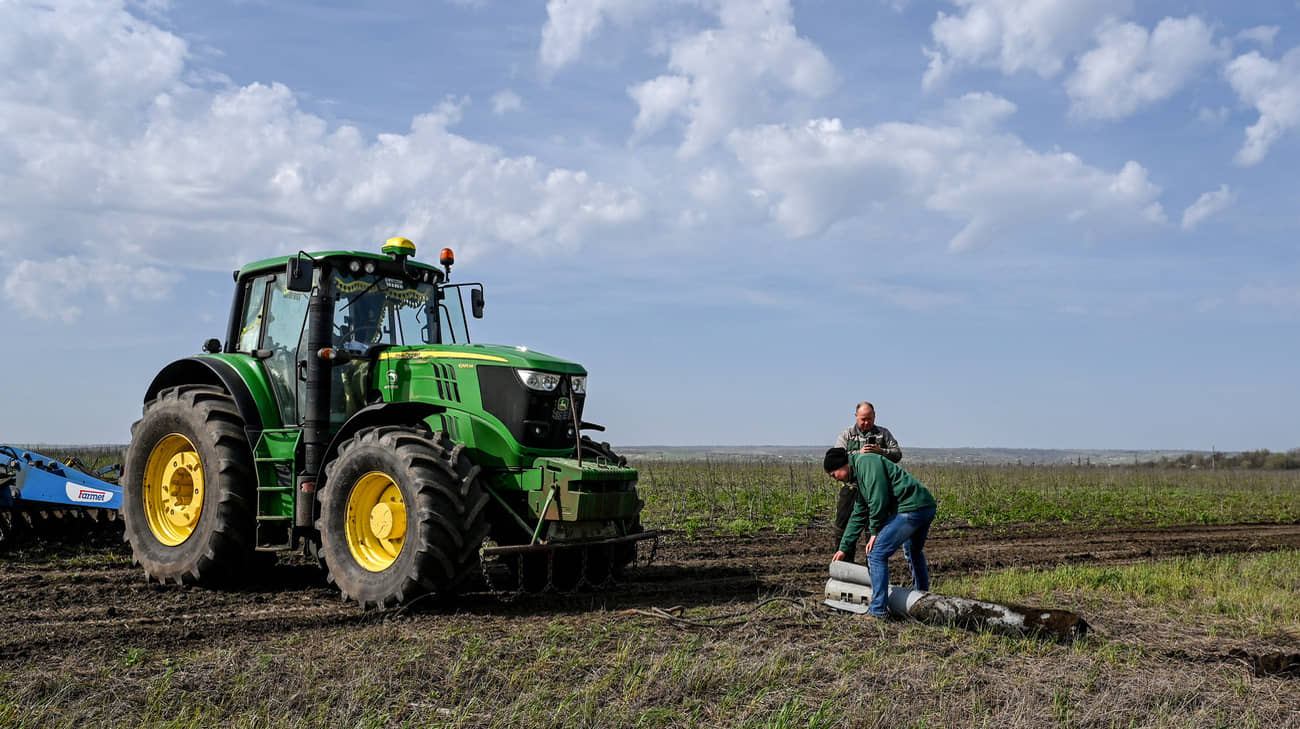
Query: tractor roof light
x=447, y=258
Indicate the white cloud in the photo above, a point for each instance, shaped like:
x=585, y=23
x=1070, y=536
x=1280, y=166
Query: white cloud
x=28, y=285
x=1130, y=69
x=821, y=173
x=740, y=72
x=1261, y=34
x=1015, y=35
x=1207, y=205
x=102, y=140
x=735, y=71
x=1215, y=117
x=980, y=110
x=1273, y=88
x=571, y=23
x=658, y=100
x=506, y=101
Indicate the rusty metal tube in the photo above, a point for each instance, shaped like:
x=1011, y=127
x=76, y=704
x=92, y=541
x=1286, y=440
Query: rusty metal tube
x=850, y=584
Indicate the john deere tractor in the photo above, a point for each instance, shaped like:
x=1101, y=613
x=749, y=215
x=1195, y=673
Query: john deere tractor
x=347, y=414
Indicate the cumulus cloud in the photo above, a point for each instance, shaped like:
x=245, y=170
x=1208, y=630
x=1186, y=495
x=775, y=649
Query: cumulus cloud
x=104, y=139
x=1207, y=205
x=1130, y=68
x=979, y=110
x=1261, y=34
x=992, y=184
x=28, y=284
x=737, y=73
x=731, y=74
x=1015, y=35
x=506, y=101
x=570, y=24
x=1273, y=88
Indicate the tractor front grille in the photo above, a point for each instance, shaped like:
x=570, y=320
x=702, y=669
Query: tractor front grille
x=535, y=419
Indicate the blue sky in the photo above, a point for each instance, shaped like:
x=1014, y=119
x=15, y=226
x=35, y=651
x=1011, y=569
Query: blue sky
x=1015, y=223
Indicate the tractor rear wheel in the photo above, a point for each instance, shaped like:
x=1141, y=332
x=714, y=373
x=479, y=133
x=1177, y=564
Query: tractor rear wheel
x=402, y=514
x=187, y=487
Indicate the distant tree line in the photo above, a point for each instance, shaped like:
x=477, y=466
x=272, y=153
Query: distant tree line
x=1262, y=459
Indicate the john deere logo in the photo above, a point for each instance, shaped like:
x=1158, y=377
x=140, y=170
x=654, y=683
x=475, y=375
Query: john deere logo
x=561, y=411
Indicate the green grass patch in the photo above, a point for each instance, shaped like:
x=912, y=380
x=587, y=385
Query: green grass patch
x=1257, y=593
x=739, y=494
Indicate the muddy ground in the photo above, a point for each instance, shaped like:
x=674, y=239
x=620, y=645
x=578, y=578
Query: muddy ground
x=66, y=607
x=54, y=602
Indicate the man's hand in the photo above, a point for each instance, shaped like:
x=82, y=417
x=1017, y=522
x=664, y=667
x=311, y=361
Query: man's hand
x=871, y=543
x=838, y=556
x=872, y=448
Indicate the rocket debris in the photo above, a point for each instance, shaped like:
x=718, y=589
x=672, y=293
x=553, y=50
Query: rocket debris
x=849, y=589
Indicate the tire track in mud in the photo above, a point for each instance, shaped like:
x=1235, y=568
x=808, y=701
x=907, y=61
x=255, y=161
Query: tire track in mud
x=50, y=607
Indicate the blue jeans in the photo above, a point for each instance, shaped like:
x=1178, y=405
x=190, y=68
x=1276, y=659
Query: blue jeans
x=907, y=530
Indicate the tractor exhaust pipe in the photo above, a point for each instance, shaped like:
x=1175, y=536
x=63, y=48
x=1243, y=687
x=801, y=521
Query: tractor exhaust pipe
x=316, y=411
x=849, y=589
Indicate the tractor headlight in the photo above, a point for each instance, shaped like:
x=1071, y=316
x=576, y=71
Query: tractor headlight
x=534, y=380
x=579, y=384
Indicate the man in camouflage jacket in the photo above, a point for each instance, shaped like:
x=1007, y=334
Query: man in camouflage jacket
x=864, y=436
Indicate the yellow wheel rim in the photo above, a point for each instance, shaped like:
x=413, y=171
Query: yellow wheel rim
x=173, y=489
x=376, y=521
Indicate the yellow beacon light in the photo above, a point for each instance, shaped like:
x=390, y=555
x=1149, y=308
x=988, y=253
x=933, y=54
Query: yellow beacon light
x=398, y=247
x=447, y=258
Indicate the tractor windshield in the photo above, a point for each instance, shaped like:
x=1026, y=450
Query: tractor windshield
x=374, y=309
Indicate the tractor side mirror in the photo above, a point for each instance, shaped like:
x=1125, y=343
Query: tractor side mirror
x=476, y=302
x=297, y=274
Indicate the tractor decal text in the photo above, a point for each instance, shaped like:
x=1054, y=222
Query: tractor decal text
x=442, y=355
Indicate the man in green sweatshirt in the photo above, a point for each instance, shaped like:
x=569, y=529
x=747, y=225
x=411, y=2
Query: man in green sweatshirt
x=897, y=511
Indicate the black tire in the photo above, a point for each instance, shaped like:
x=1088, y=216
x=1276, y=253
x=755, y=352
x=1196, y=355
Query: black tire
x=602, y=450
x=423, y=485
x=198, y=431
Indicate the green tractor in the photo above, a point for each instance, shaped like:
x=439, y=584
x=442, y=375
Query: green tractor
x=348, y=415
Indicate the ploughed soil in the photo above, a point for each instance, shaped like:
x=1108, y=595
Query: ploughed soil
x=70, y=608
x=56, y=598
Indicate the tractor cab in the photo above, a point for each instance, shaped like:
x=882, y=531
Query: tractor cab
x=374, y=302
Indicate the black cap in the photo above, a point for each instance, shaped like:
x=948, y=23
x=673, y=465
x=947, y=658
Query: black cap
x=835, y=459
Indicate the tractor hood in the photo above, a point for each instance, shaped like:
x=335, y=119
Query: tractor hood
x=521, y=357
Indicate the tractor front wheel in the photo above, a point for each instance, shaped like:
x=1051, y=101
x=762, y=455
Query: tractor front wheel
x=187, y=487
x=402, y=514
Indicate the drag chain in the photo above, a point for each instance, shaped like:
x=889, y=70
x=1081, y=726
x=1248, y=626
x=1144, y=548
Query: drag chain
x=524, y=566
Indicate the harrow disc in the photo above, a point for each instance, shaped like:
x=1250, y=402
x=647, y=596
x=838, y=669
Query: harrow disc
x=31, y=526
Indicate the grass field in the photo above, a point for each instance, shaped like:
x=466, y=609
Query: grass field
x=749, y=645
x=744, y=494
